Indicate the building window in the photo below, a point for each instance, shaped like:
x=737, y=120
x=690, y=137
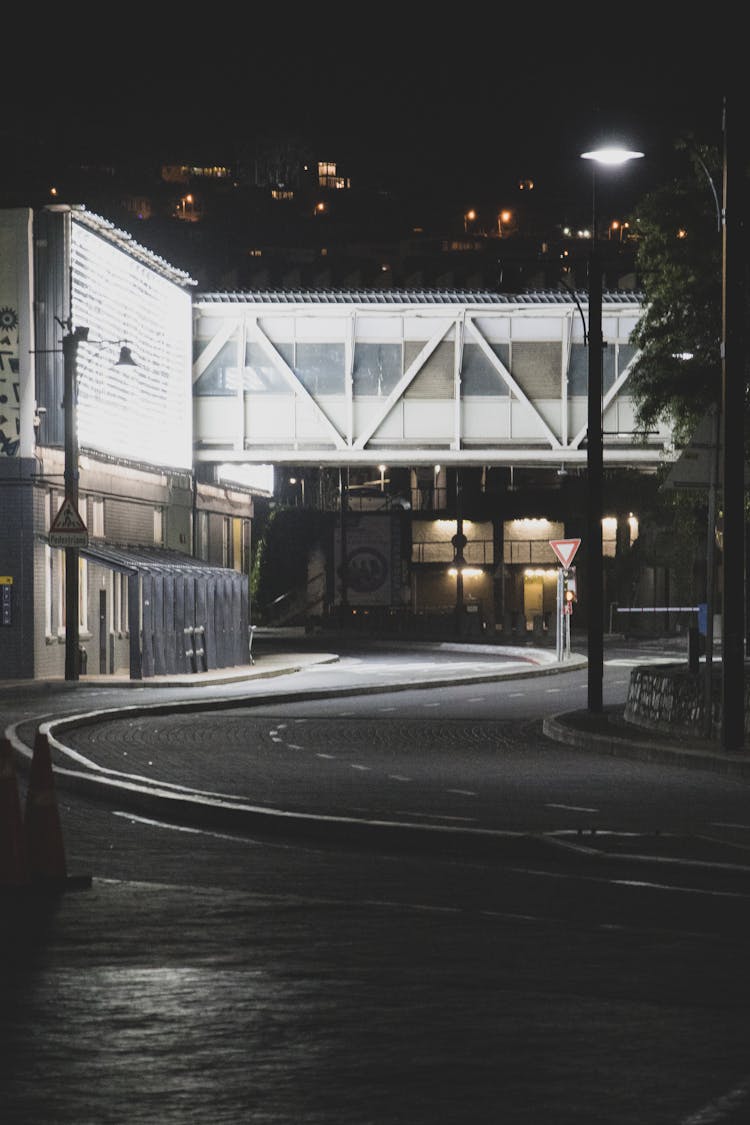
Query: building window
x=59, y=617
x=201, y=536
x=226, y=541
x=97, y=518
x=158, y=527
x=49, y=589
x=83, y=596
x=328, y=178
x=120, y=603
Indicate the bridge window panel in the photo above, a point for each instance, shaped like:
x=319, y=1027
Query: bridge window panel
x=217, y=421
x=478, y=376
x=625, y=353
x=221, y=377
x=390, y=429
x=435, y=378
x=269, y=420
x=428, y=421
x=379, y=328
x=578, y=369
x=377, y=369
x=320, y=368
x=536, y=328
x=609, y=358
x=525, y=422
x=206, y=327
x=260, y=374
x=494, y=329
x=321, y=329
x=485, y=420
x=537, y=368
x=424, y=327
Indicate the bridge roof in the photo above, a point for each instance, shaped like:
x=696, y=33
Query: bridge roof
x=410, y=297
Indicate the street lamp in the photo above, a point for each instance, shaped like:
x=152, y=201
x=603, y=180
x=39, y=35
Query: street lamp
x=72, y=338
x=609, y=157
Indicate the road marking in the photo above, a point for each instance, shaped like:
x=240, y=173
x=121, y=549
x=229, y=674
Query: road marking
x=476, y=699
x=720, y=1109
x=294, y=746
x=331, y=756
x=387, y=708
x=430, y=704
x=516, y=694
x=354, y=766
x=435, y=816
x=463, y=792
x=570, y=808
x=398, y=777
x=182, y=828
x=729, y=824
x=552, y=690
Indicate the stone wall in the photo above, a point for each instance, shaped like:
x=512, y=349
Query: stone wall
x=672, y=698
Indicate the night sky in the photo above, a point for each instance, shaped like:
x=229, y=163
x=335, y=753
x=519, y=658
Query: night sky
x=458, y=101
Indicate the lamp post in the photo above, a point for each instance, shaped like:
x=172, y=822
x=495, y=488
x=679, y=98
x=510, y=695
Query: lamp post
x=70, y=343
x=734, y=346
x=71, y=339
x=610, y=156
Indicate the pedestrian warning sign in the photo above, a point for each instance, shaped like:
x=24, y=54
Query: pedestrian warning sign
x=67, y=528
x=565, y=549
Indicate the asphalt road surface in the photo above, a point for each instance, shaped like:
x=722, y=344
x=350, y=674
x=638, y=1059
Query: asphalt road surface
x=235, y=976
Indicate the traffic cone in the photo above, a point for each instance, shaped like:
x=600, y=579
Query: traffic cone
x=13, y=866
x=45, y=850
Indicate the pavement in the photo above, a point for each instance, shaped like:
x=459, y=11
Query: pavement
x=606, y=732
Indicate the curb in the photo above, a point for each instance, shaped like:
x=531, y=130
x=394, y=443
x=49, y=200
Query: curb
x=569, y=729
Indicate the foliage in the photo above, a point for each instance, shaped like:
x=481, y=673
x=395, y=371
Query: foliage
x=282, y=552
x=678, y=373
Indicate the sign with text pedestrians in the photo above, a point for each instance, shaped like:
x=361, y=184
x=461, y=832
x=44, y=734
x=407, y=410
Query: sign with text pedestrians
x=67, y=528
x=565, y=549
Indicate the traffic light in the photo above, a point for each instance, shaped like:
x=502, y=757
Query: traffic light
x=570, y=592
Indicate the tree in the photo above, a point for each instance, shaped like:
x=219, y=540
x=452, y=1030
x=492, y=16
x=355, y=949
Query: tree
x=677, y=375
x=281, y=555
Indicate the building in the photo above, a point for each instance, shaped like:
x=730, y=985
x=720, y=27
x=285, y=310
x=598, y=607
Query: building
x=162, y=557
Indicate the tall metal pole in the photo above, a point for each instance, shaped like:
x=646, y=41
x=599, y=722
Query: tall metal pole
x=72, y=637
x=343, y=501
x=595, y=472
x=733, y=414
x=459, y=542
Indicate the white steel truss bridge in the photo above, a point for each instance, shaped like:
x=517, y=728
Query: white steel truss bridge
x=411, y=377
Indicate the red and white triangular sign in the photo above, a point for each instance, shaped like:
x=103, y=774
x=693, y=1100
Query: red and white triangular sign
x=565, y=549
x=67, y=519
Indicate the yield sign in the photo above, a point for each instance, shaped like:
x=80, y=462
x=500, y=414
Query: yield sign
x=565, y=549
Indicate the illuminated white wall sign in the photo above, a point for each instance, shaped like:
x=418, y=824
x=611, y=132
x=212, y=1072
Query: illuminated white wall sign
x=143, y=412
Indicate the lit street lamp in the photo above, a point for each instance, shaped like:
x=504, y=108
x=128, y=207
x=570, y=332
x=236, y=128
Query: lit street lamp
x=610, y=156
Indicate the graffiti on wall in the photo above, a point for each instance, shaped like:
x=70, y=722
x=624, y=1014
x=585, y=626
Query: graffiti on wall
x=10, y=398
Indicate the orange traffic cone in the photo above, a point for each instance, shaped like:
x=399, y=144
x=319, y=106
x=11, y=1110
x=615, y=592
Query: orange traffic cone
x=44, y=841
x=13, y=866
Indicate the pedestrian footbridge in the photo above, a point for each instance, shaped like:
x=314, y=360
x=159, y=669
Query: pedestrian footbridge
x=410, y=377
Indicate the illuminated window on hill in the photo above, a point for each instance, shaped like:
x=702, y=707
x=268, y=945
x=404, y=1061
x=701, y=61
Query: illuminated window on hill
x=328, y=177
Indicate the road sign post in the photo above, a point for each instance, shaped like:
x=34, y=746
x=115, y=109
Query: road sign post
x=565, y=549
